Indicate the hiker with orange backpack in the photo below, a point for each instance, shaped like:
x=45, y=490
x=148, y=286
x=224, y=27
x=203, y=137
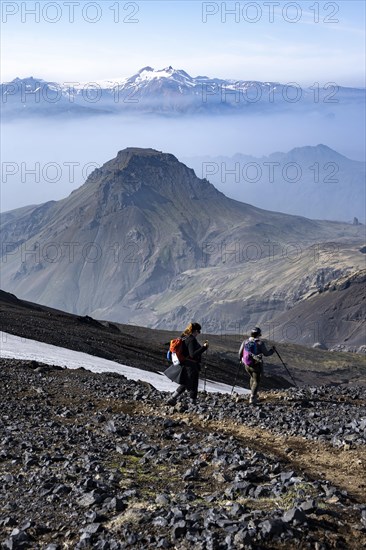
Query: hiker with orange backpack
x=187, y=363
x=251, y=355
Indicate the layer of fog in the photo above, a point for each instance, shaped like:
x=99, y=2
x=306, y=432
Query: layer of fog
x=45, y=159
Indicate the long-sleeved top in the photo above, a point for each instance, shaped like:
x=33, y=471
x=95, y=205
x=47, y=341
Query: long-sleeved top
x=261, y=348
x=194, y=349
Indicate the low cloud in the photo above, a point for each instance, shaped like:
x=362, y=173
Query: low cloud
x=47, y=159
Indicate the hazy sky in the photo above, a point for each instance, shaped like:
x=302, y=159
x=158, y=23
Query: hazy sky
x=86, y=41
x=303, y=42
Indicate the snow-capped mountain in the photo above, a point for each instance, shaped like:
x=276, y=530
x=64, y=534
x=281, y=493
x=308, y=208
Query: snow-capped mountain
x=168, y=91
x=35, y=96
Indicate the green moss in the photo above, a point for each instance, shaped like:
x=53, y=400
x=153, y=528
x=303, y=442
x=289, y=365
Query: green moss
x=284, y=502
x=150, y=479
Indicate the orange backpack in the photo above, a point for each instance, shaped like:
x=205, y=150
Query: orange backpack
x=177, y=350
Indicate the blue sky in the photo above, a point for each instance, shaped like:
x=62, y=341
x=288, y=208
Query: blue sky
x=303, y=42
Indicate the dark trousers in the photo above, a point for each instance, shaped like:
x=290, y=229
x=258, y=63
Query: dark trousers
x=191, y=378
x=255, y=373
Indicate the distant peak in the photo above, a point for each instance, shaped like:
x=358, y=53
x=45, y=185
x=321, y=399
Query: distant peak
x=136, y=169
x=307, y=147
x=147, y=68
x=28, y=79
x=125, y=156
x=165, y=71
x=323, y=147
x=140, y=151
x=320, y=147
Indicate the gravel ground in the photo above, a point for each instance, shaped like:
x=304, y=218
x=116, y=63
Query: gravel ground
x=336, y=414
x=97, y=461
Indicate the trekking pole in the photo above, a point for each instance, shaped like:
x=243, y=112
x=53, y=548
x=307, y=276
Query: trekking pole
x=288, y=372
x=236, y=377
x=204, y=378
x=204, y=372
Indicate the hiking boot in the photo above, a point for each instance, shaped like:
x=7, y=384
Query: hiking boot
x=253, y=400
x=173, y=398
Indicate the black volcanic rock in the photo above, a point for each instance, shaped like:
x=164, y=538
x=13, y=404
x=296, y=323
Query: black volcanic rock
x=92, y=496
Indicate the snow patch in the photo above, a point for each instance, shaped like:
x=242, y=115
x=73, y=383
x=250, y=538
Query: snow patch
x=16, y=347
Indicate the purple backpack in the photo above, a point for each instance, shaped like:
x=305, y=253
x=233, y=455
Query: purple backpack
x=250, y=349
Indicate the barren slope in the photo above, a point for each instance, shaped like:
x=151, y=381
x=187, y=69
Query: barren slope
x=145, y=241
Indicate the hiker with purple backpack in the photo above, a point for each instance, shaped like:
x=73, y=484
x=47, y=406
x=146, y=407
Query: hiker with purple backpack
x=251, y=355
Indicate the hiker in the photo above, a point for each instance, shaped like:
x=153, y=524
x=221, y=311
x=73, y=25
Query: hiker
x=251, y=355
x=189, y=375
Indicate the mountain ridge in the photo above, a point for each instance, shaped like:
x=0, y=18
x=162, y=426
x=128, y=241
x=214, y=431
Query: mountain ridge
x=312, y=181
x=148, y=72
x=144, y=240
x=145, y=348
x=167, y=91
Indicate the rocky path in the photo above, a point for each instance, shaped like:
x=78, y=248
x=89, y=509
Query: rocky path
x=97, y=461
